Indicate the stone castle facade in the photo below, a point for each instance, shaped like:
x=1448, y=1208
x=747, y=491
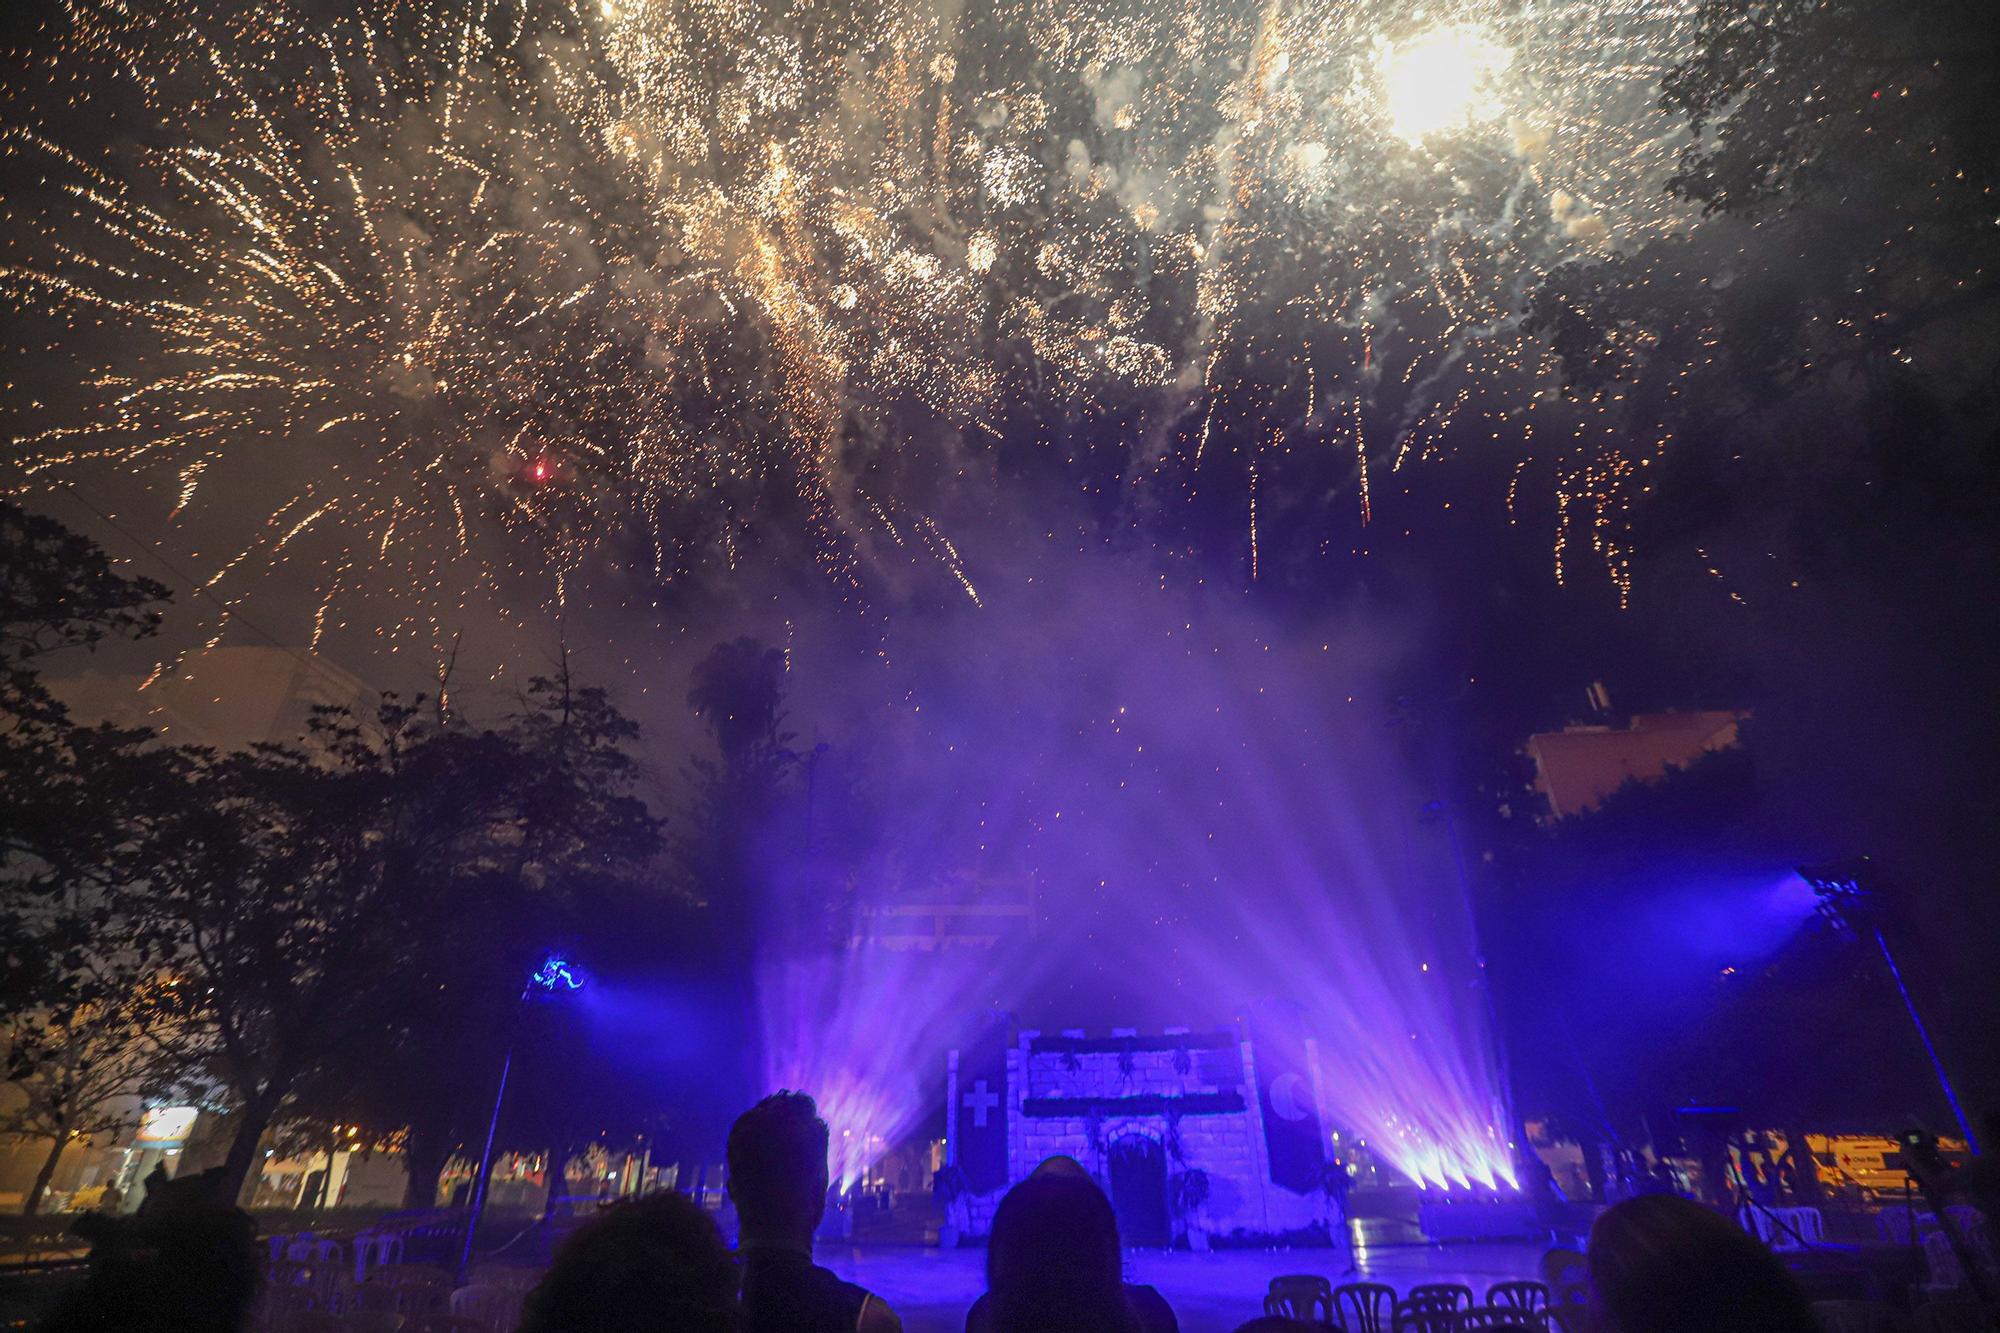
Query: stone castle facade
x=1141, y=1112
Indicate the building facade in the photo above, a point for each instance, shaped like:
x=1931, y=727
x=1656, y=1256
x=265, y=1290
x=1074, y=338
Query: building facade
x=227, y=698
x=1191, y=1139
x=1577, y=767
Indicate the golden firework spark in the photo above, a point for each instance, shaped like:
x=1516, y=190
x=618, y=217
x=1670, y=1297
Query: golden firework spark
x=445, y=284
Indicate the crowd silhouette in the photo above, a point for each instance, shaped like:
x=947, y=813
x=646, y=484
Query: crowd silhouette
x=187, y=1261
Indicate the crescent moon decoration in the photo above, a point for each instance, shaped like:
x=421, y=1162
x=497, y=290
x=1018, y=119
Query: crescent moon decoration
x=1286, y=1100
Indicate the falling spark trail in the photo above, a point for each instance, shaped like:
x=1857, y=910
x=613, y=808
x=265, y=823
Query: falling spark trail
x=515, y=280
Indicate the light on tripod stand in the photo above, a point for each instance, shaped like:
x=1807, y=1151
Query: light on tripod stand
x=1849, y=902
x=555, y=976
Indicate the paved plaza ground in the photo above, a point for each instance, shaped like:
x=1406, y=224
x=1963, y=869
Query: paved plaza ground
x=1211, y=1293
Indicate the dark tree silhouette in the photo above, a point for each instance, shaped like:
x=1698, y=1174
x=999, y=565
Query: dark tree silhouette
x=1845, y=153
x=312, y=900
x=70, y=792
x=73, y=1071
x=59, y=590
x=738, y=690
x=72, y=796
x=737, y=801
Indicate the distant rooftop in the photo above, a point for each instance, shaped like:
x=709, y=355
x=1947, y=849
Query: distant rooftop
x=1577, y=767
x=228, y=698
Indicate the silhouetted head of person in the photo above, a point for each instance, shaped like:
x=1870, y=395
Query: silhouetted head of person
x=1061, y=1167
x=1663, y=1264
x=651, y=1265
x=777, y=1170
x=1054, y=1263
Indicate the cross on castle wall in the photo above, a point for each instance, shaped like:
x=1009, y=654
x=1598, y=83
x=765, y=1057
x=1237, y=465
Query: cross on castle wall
x=980, y=1101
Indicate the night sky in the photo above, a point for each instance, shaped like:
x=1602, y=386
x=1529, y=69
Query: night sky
x=999, y=368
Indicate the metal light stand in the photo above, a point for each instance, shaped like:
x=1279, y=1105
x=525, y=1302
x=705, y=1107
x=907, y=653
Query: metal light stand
x=553, y=975
x=1847, y=901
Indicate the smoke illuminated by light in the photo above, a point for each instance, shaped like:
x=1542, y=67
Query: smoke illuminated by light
x=865, y=1029
x=1193, y=820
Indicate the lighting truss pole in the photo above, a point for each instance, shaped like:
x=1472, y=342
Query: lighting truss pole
x=554, y=975
x=1846, y=900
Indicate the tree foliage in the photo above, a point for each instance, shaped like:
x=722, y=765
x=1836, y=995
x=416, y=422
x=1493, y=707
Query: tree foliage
x=1791, y=101
x=74, y=1071
x=316, y=898
x=738, y=690
x=73, y=1055
x=1658, y=952
x=1843, y=155
x=738, y=802
x=328, y=933
x=734, y=795
x=71, y=792
x=59, y=590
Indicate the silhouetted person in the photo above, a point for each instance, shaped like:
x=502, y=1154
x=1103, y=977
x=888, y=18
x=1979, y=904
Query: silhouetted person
x=186, y=1264
x=1763, y=1183
x=1054, y=1263
x=1338, y=1185
x=656, y=1264
x=1663, y=1264
x=1539, y=1183
x=155, y=1181
x=778, y=1180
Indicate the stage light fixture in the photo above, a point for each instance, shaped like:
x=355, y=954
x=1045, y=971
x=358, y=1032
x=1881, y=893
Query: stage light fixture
x=1850, y=901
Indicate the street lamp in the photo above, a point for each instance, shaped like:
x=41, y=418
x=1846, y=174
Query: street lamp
x=1848, y=901
x=554, y=976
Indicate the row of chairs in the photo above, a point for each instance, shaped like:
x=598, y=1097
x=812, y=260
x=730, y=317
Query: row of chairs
x=1784, y=1229
x=1942, y=1258
x=366, y=1250
x=1895, y=1225
x=1432, y=1307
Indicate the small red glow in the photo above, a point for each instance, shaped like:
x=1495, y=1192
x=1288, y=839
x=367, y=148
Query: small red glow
x=539, y=470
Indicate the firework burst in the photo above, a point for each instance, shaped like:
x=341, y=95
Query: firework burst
x=451, y=291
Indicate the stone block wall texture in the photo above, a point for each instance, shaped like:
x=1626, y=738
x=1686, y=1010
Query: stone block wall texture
x=1228, y=1145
